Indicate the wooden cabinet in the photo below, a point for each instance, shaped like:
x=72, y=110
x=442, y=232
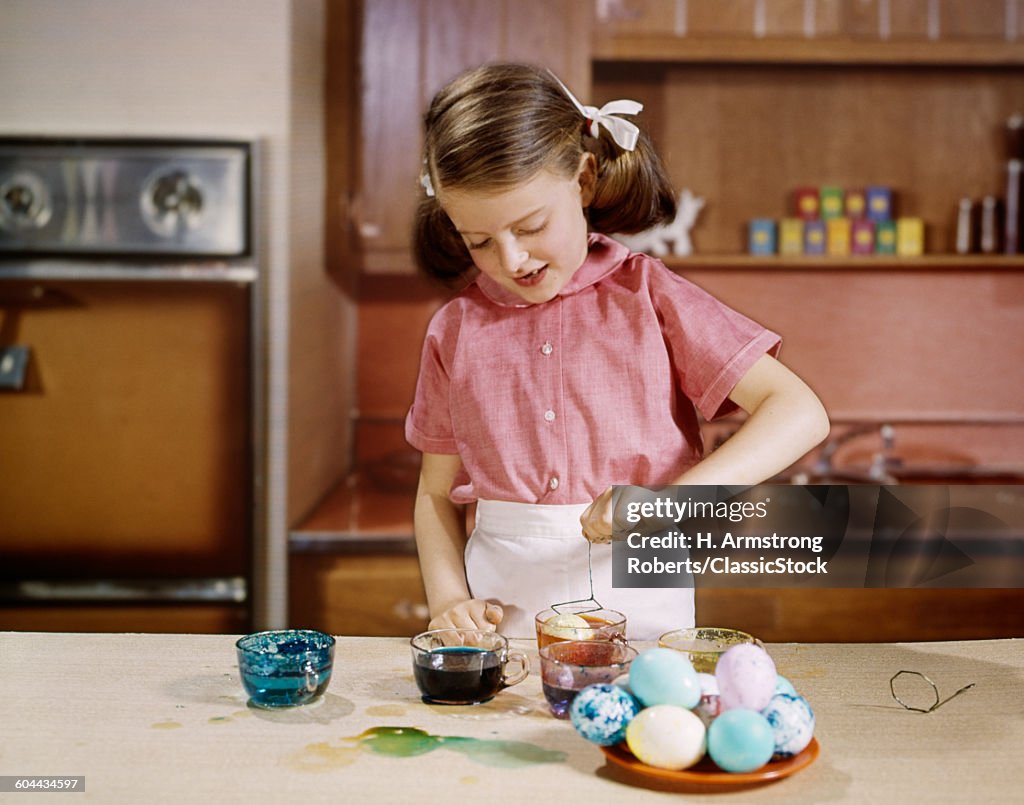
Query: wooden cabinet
x=358, y=593
x=769, y=96
x=407, y=50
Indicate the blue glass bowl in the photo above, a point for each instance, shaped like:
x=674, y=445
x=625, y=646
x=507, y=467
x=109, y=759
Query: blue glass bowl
x=286, y=667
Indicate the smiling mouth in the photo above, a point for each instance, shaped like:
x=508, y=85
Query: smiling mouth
x=532, y=278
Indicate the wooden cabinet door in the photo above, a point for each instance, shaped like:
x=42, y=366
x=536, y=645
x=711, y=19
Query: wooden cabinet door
x=408, y=49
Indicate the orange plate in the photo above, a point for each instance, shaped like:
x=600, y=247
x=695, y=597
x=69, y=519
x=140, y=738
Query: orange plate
x=707, y=773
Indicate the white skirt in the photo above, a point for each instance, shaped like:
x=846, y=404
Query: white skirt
x=528, y=556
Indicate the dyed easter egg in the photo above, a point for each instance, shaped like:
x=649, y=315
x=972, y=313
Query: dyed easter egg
x=783, y=685
x=568, y=627
x=664, y=676
x=746, y=677
x=740, y=740
x=708, y=707
x=601, y=713
x=667, y=737
x=792, y=723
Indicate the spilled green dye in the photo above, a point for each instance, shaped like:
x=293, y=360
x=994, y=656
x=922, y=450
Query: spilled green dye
x=411, y=741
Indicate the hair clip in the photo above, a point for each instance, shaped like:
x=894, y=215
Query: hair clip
x=622, y=131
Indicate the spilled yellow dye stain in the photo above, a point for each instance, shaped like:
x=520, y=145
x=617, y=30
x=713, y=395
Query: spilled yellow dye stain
x=241, y=714
x=322, y=756
x=165, y=725
x=386, y=710
x=469, y=780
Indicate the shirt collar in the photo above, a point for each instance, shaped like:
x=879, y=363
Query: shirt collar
x=604, y=256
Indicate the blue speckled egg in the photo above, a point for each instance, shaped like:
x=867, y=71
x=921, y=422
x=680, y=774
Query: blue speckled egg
x=664, y=676
x=792, y=723
x=601, y=713
x=783, y=685
x=740, y=740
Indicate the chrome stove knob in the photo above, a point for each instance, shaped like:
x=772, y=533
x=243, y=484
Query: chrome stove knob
x=172, y=203
x=24, y=203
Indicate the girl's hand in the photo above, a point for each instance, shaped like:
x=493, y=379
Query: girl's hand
x=473, y=614
x=597, y=519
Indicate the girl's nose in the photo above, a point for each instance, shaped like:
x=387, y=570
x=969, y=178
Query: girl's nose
x=512, y=256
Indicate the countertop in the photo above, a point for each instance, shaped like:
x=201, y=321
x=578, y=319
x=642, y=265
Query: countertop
x=152, y=717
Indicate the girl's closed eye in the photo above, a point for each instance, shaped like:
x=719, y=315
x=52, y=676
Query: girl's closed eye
x=473, y=246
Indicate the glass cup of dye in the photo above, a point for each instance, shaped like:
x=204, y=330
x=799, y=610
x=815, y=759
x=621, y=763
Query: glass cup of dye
x=464, y=666
x=285, y=667
x=568, y=666
x=704, y=644
x=579, y=622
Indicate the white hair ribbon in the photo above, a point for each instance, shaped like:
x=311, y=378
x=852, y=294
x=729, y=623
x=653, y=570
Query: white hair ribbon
x=428, y=186
x=623, y=132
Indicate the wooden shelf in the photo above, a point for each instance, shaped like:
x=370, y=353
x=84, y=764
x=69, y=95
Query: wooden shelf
x=935, y=262
x=669, y=48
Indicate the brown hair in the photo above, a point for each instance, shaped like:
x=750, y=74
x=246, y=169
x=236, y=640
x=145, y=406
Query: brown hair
x=498, y=125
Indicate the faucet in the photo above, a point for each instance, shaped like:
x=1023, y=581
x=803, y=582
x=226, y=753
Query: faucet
x=881, y=462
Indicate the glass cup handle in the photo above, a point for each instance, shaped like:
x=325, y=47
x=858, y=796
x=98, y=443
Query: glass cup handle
x=312, y=678
x=524, y=669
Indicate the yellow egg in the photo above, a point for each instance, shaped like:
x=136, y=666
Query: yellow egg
x=568, y=627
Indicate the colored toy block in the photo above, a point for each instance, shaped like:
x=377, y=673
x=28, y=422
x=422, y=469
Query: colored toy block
x=831, y=202
x=762, y=236
x=791, y=236
x=909, y=237
x=856, y=204
x=838, y=236
x=885, y=237
x=814, y=237
x=805, y=203
x=862, y=236
x=879, y=203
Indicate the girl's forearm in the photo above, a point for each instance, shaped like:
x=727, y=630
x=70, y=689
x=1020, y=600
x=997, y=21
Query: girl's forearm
x=441, y=542
x=786, y=420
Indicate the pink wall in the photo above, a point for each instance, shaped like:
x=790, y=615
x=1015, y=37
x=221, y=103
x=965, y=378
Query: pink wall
x=938, y=352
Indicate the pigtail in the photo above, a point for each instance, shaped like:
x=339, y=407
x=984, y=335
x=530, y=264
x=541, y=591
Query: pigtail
x=633, y=190
x=437, y=248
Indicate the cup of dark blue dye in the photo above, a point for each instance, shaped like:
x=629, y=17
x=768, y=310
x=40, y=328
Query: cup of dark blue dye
x=285, y=667
x=464, y=666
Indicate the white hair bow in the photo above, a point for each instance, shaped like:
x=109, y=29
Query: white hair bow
x=623, y=132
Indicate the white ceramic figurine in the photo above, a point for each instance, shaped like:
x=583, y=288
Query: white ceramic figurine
x=656, y=240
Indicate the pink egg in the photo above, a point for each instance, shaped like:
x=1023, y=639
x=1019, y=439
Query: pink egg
x=746, y=677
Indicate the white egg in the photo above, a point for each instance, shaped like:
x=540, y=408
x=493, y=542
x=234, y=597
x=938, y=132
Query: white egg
x=667, y=737
x=568, y=627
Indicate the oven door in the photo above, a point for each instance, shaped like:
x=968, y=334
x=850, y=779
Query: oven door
x=125, y=455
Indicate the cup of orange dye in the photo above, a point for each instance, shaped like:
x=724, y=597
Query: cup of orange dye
x=579, y=622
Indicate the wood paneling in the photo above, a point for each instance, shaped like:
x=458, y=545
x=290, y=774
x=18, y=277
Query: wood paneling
x=869, y=616
x=357, y=595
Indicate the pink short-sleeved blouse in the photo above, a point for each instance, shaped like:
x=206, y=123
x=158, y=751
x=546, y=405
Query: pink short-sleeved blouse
x=554, y=402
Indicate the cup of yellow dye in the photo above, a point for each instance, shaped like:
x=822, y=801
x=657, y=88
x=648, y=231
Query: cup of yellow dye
x=704, y=644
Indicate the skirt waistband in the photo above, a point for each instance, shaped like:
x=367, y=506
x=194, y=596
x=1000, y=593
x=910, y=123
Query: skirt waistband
x=510, y=519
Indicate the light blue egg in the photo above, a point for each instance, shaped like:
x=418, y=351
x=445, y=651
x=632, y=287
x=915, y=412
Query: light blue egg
x=740, y=740
x=783, y=685
x=792, y=723
x=601, y=713
x=664, y=676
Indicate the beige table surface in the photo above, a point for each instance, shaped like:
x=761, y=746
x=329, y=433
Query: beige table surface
x=148, y=717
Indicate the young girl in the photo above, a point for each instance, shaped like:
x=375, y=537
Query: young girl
x=568, y=364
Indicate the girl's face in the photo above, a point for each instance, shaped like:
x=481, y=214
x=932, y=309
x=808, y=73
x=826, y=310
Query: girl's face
x=530, y=239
